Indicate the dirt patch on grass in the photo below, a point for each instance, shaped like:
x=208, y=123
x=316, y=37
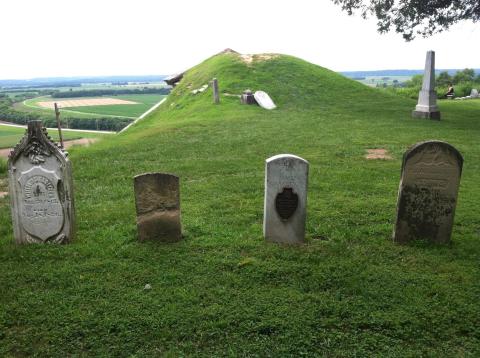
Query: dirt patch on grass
x=85, y=102
x=83, y=142
x=248, y=59
x=378, y=153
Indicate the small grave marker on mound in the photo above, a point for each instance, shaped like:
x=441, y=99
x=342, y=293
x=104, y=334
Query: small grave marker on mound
x=247, y=97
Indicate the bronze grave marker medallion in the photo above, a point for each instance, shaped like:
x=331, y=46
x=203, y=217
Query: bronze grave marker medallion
x=286, y=203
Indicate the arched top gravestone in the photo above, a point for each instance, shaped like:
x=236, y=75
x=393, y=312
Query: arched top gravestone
x=428, y=191
x=285, y=206
x=41, y=189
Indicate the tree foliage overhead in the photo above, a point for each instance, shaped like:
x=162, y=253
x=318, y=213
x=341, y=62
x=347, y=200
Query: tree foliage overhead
x=414, y=17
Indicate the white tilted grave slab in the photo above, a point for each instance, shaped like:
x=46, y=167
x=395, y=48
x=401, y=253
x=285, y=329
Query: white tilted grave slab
x=285, y=206
x=41, y=189
x=264, y=100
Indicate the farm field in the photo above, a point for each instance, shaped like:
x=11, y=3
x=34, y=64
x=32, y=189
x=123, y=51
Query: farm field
x=373, y=81
x=10, y=136
x=143, y=103
x=223, y=291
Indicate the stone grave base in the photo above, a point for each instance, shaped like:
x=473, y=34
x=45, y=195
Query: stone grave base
x=426, y=115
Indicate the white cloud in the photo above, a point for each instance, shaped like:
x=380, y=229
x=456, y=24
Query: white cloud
x=105, y=37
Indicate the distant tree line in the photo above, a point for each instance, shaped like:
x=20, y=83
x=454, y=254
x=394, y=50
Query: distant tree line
x=8, y=113
x=463, y=82
x=109, y=92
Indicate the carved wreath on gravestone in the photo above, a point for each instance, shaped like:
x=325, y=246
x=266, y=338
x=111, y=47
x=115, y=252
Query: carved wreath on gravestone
x=36, y=152
x=286, y=203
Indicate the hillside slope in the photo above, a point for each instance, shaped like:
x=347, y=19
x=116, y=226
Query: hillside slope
x=224, y=291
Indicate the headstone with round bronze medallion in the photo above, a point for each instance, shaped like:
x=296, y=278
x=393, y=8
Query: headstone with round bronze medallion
x=286, y=180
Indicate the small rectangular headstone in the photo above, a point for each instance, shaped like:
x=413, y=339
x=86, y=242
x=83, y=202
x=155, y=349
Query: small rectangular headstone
x=41, y=189
x=428, y=191
x=247, y=97
x=157, y=202
x=285, y=206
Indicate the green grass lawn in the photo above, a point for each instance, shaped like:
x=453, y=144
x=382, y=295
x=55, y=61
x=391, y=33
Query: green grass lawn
x=223, y=291
x=144, y=103
x=10, y=136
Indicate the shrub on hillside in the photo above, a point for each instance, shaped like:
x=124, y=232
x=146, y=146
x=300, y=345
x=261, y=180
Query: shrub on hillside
x=3, y=166
x=461, y=90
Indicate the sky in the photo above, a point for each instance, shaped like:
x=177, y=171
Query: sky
x=52, y=38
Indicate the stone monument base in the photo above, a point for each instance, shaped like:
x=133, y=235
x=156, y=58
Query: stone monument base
x=426, y=115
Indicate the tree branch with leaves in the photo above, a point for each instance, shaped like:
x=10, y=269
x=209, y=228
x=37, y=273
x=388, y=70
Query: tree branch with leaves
x=414, y=17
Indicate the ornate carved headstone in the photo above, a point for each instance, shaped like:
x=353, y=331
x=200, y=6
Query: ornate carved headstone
x=157, y=201
x=428, y=190
x=41, y=189
x=285, y=209
x=427, y=98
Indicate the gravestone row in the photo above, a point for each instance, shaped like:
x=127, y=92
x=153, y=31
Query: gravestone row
x=42, y=205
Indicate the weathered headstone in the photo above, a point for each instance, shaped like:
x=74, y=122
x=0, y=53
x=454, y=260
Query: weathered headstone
x=216, y=95
x=474, y=93
x=264, y=100
x=247, y=97
x=41, y=189
x=427, y=98
x=428, y=190
x=157, y=201
x=285, y=206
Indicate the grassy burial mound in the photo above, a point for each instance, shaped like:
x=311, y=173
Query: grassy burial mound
x=223, y=290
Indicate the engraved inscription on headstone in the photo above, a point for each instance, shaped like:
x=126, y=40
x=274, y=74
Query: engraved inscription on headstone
x=41, y=190
x=428, y=191
x=157, y=201
x=286, y=180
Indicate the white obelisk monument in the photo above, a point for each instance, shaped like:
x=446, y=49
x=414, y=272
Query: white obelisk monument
x=427, y=98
